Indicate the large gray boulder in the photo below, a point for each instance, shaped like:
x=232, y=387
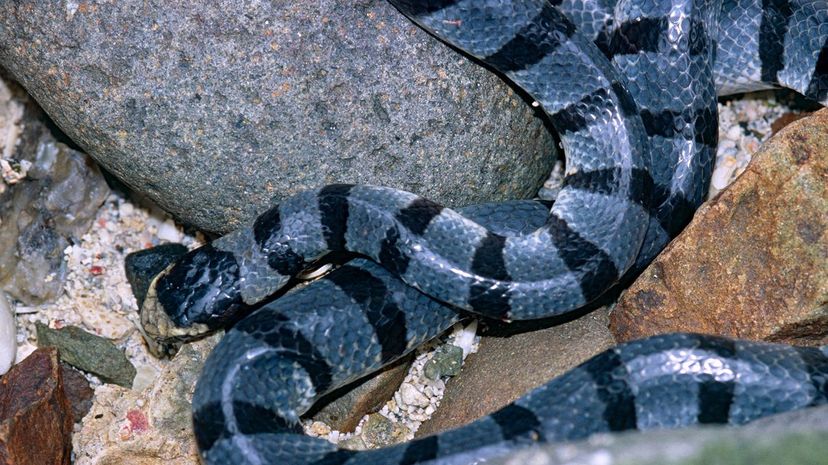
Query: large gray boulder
x=216, y=108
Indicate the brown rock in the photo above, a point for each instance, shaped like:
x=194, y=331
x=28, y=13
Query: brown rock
x=786, y=119
x=754, y=261
x=344, y=408
x=77, y=390
x=507, y=365
x=35, y=416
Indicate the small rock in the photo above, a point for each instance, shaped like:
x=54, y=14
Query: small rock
x=351, y=403
x=465, y=338
x=412, y=397
x=145, y=376
x=148, y=427
x=513, y=359
x=88, y=352
x=446, y=361
x=734, y=133
x=77, y=391
x=787, y=119
x=35, y=416
x=379, y=431
x=318, y=428
x=55, y=201
x=8, y=334
x=142, y=266
x=168, y=231
x=753, y=263
x=722, y=175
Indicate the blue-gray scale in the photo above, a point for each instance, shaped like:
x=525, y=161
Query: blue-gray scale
x=631, y=88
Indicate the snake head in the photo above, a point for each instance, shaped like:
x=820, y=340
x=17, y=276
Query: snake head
x=192, y=295
x=164, y=336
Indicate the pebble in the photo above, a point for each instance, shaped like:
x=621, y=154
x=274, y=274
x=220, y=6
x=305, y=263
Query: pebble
x=411, y=396
x=103, y=303
x=318, y=428
x=88, y=352
x=465, y=337
x=168, y=231
x=446, y=361
x=8, y=334
x=145, y=376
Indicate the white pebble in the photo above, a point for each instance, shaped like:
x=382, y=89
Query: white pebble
x=145, y=376
x=320, y=429
x=721, y=175
x=464, y=338
x=8, y=335
x=411, y=396
x=125, y=209
x=734, y=133
x=168, y=232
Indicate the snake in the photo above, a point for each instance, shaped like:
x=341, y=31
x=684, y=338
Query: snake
x=630, y=86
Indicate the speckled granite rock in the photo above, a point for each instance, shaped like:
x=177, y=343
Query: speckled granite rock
x=213, y=109
x=753, y=263
x=793, y=438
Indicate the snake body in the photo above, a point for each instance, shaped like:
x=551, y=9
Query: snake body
x=630, y=86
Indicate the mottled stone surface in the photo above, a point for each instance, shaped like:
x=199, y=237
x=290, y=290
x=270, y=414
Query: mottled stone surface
x=447, y=361
x=35, y=416
x=148, y=427
x=214, y=108
x=49, y=194
x=379, y=431
x=794, y=438
x=512, y=361
x=89, y=352
x=344, y=408
x=753, y=263
x=77, y=390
